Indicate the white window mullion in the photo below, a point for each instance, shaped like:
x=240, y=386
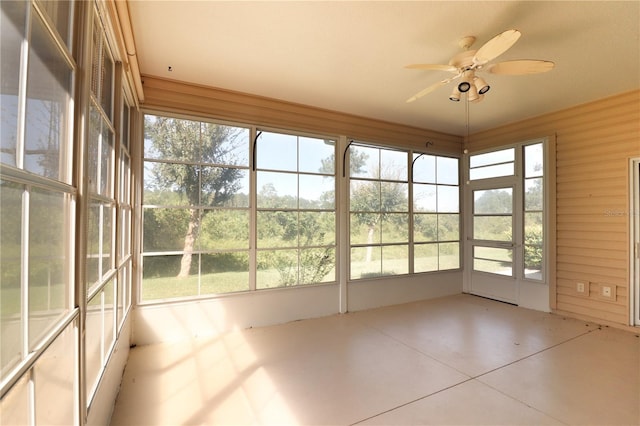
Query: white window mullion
x=22, y=91
x=24, y=272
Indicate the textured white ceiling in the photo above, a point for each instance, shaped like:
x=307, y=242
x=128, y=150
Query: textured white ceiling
x=349, y=56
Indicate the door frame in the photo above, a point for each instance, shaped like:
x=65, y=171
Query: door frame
x=529, y=294
x=634, y=242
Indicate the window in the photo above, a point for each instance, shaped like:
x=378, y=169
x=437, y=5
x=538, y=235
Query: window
x=296, y=219
x=388, y=234
x=37, y=219
x=492, y=164
x=436, y=213
x=533, y=211
x=195, y=208
x=379, y=212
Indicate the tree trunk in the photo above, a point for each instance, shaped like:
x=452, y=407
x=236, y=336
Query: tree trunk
x=189, y=241
x=372, y=229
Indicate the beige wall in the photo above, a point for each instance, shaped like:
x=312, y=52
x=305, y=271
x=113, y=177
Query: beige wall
x=594, y=143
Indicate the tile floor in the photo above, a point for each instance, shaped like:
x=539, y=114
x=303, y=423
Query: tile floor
x=454, y=360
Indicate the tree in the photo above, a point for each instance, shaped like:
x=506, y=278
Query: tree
x=193, y=146
x=372, y=201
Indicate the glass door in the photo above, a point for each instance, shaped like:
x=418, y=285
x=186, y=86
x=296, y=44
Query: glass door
x=505, y=254
x=492, y=243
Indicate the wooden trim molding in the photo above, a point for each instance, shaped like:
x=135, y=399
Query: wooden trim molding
x=170, y=95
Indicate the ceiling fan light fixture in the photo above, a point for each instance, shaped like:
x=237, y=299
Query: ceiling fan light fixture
x=455, y=95
x=464, y=86
x=481, y=85
x=473, y=94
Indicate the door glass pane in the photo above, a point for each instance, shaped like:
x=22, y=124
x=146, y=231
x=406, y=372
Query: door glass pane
x=493, y=228
x=493, y=260
x=494, y=157
x=493, y=201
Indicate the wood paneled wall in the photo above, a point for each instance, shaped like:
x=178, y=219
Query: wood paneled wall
x=223, y=104
x=594, y=143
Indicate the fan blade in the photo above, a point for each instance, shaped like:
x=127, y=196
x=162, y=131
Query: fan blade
x=521, y=67
x=431, y=88
x=432, y=67
x=496, y=47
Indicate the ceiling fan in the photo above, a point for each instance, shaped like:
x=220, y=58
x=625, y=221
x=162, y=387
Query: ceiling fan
x=465, y=65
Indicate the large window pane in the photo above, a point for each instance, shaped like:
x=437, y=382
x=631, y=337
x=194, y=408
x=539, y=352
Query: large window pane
x=448, y=227
x=395, y=260
x=448, y=199
x=317, y=228
x=395, y=228
x=317, y=192
x=277, y=229
x=224, y=272
x=10, y=275
x=49, y=284
x=317, y=265
x=224, y=230
x=364, y=162
x=449, y=256
x=277, y=268
x=277, y=152
x=424, y=168
x=12, y=27
x=424, y=198
x=393, y=165
x=447, y=170
x=165, y=228
x=316, y=155
x=425, y=227
x=364, y=228
x=425, y=257
x=366, y=262
x=48, y=98
x=277, y=190
x=160, y=278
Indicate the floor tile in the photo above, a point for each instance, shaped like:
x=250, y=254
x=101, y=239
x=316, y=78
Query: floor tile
x=472, y=334
x=469, y=403
x=593, y=379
